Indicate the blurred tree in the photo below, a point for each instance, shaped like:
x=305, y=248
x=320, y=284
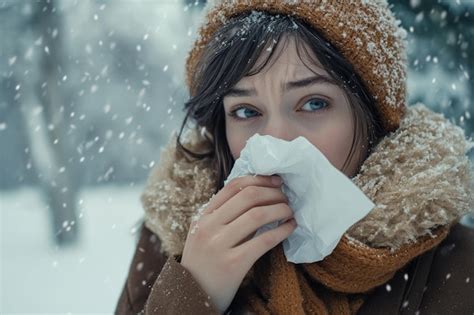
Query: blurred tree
x=47, y=128
x=441, y=45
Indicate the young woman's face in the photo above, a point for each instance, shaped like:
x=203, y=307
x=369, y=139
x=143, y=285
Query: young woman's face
x=287, y=100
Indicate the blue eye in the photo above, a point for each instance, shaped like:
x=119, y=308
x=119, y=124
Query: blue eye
x=315, y=105
x=243, y=113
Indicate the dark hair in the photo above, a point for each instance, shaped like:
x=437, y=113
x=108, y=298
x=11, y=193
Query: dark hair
x=232, y=54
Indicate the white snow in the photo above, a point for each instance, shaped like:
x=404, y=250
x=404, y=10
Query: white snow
x=36, y=277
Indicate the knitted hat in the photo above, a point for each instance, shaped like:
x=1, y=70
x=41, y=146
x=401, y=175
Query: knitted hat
x=365, y=32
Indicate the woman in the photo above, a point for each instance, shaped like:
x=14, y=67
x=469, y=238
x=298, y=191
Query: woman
x=333, y=72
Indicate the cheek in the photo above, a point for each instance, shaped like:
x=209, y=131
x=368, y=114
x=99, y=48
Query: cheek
x=335, y=148
x=236, y=140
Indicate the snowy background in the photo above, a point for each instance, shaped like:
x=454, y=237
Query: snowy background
x=89, y=92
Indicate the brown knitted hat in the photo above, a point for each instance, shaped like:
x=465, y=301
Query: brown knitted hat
x=364, y=31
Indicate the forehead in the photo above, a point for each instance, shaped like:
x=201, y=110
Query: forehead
x=292, y=57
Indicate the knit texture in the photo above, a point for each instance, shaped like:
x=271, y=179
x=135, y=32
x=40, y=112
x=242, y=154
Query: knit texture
x=364, y=31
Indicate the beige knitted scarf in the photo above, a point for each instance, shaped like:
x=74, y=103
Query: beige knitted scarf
x=418, y=177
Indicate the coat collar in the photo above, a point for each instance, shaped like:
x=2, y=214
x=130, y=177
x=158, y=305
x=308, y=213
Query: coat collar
x=419, y=177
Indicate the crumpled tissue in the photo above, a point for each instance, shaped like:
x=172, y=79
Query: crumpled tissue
x=326, y=203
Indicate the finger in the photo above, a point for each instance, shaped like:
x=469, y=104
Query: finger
x=259, y=245
x=248, y=198
x=238, y=184
x=248, y=223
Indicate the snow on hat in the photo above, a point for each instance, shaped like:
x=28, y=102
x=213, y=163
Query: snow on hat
x=365, y=32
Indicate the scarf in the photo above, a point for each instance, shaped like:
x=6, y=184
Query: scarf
x=418, y=177
x=332, y=286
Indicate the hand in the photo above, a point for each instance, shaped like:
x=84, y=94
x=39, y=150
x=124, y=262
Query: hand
x=220, y=248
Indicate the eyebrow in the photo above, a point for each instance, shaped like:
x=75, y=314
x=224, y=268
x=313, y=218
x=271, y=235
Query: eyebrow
x=236, y=92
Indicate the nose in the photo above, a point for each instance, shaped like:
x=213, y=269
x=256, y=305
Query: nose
x=279, y=128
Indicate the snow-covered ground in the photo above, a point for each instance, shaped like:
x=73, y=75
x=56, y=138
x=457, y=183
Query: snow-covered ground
x=38, y=278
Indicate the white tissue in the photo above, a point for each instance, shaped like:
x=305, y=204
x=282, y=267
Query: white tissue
x=326, y=203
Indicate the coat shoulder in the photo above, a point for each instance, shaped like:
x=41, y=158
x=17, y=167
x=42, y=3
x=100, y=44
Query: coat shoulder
x=158, y=284
x=450, y=285
x=146, y=264
x=436, y=282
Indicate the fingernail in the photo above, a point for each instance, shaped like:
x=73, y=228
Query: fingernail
x=276, y=180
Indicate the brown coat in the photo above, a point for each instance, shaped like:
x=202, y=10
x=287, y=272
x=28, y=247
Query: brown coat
x=157, y=284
